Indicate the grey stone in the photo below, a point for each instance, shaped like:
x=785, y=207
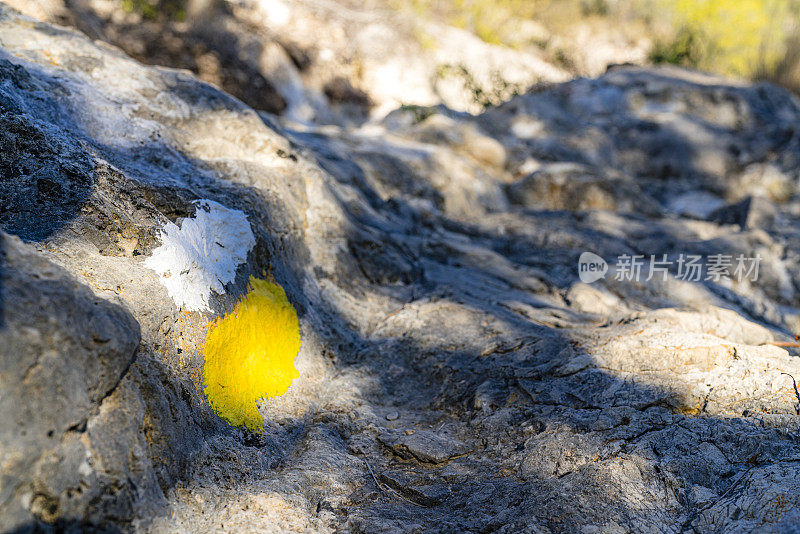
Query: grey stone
x=433, y=268
x=752, y=212
x=416, y=490
x=423, y=445
x=569, y=186
x=64, y=354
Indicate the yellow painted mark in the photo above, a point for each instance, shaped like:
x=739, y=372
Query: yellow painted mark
x=249, y=354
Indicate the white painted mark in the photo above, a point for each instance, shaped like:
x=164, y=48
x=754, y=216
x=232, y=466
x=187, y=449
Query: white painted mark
x=202, y=254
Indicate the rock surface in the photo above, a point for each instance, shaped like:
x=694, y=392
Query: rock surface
x=455, y=373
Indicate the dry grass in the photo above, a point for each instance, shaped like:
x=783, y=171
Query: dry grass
x=754, y=39
x=743, y=38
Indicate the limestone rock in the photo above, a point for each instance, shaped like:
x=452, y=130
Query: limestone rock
x=455, y=372
x=64, y=354
x=423, y=446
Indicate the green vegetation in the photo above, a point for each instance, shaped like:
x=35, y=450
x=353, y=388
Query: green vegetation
x=745, y=38
x=503, y=21
x=755, y=39
x=499, y=91
x=156, y=9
